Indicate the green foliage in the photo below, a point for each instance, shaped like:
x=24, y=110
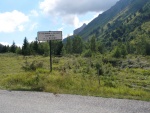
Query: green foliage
x=57, y=47
x=117, y=53
x=32, y=66
x=123, y=23
x=13, y=48
x=35, y=46
x=18, y=50
x=120, y=51
x=75, y=75
x=108, y=69
x=100, y=48
x=87, y=53
x=77, y=45
x=4, y=49
x=110, y=82
x=142, y=45
x=123, y=50
x=68, y=46
x=115, y=17
x=99, y=68
x=93, y=44
x=43, y=49
x=25, y=47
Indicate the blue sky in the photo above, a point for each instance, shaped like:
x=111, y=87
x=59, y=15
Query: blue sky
x=24, y=18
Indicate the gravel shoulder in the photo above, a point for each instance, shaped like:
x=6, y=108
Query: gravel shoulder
x=40, y=102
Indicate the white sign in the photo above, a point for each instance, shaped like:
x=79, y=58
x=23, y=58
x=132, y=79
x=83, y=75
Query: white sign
x=49, y=35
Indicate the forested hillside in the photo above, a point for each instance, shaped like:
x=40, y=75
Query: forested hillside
x=132, y=30
x=122, y=9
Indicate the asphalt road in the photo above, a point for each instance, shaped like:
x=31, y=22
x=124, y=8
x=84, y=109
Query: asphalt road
x=38, y=102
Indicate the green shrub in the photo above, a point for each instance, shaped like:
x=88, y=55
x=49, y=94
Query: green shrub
x=87, y=53
x=33, y=66
x=110, y=83
x=56, y=60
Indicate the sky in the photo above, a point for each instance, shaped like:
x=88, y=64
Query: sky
x=24, y=18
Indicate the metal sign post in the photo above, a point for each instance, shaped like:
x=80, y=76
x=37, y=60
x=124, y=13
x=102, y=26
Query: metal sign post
x=49, y=36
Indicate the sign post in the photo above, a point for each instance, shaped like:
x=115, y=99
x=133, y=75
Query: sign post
x=50, y=42
x=49, y=36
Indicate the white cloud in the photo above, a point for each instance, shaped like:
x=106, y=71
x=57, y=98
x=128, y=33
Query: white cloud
x=48, y=5
x=71, y=20
x=75, y=7
x=69, y=10
x=78, y=23
x=34, y=13
x=5, y=43
x=12, y=21
x=21, y=28
x=33, y=26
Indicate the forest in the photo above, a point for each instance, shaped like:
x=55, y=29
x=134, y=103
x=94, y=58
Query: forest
x=139, y=46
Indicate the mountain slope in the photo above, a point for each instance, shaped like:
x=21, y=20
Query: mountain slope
x=128, y=25
x=117, y=14
x=78, y=30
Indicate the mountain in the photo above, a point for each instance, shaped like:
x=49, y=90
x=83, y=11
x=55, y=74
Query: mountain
x=75, y=32
x=78, y=30
x=125, y=13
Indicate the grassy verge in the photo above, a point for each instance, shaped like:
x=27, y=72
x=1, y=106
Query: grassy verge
x=73, y=75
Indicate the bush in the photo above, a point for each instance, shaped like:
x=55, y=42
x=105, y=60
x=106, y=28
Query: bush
x=107, y=69
x=87, y=53
x=56, y=60
x=33, y=66
x=117, y=53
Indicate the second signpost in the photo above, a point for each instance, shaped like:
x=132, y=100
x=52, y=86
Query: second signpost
x=49, y=36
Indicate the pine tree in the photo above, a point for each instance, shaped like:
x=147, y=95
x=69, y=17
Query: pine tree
x=5, y=49
x=59, y=48
x=25, y=47
x=93, y=44
x=1, y=48
x=35, y=45
x=100, y=47
x=123, y=50
x=13, y=47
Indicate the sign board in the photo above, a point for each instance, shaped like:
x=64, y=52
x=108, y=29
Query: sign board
x=49, y=35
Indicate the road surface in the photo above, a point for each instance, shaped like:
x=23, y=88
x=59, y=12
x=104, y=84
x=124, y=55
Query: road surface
x=39, y=102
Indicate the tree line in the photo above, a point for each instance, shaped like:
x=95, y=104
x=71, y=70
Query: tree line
x=33, y=48
x=75, y=45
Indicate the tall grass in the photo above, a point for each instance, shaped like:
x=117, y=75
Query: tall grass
x=73, y=75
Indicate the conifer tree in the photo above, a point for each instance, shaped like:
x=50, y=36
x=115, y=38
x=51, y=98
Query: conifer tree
x=25, y=47
x=13, y=47
x=93, y=44
x=35, y=45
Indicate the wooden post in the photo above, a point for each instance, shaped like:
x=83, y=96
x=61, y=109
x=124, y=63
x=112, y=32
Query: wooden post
x=50, y=45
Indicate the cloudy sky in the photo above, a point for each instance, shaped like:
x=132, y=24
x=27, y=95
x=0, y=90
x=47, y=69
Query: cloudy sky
x=24, y=18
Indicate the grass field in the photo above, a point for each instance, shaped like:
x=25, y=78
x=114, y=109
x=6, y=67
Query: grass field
x=74, y=75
